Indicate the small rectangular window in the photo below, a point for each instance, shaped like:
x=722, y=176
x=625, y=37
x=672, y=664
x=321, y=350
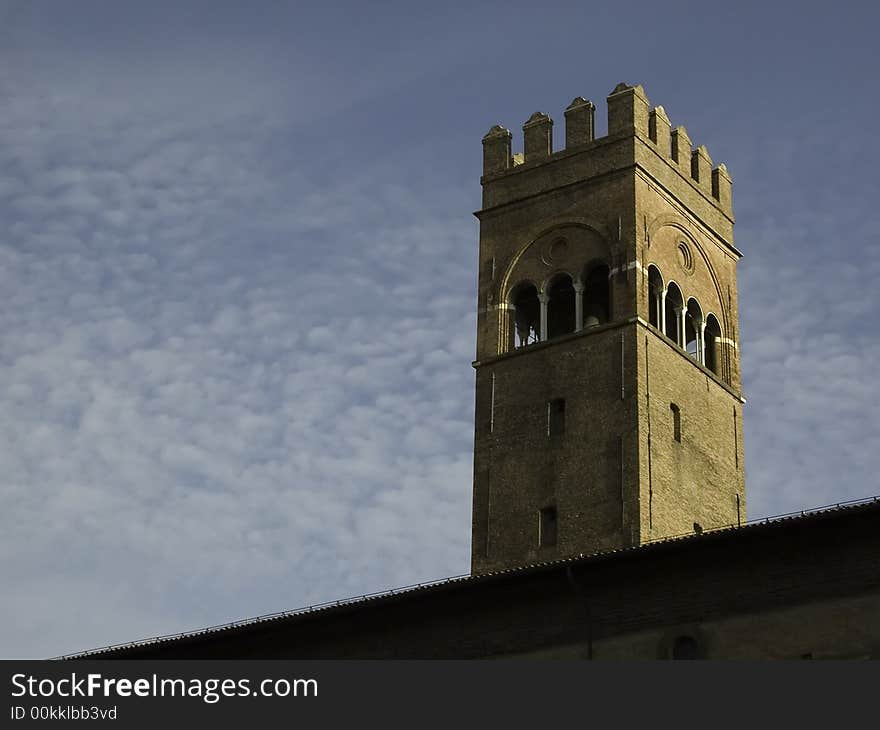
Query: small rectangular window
x=555, y=418
x=676, y=421
x=547, y=527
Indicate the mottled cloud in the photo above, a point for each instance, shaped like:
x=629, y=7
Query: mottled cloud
x=238, y=316
x=226, y=389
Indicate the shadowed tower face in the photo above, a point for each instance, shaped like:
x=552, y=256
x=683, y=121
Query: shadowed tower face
x=608, y=394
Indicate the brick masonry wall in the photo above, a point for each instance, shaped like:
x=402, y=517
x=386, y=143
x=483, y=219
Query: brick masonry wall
x=623, y=200
x=590, y=473
x=697, y=479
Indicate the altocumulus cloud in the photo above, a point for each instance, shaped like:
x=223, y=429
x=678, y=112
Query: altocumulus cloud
x=808, y=310
x=238, y=281
x=224, y=393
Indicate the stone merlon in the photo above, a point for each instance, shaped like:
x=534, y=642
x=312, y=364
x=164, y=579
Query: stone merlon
x=629, y=115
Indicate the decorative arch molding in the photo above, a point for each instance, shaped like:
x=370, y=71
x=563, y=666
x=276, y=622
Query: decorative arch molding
x=551, y=278
x=674, y=221
x=532, y=263
x=521, y=284
x=710, y=313
x=707, y=329
x=558, y=226
x=669, y=219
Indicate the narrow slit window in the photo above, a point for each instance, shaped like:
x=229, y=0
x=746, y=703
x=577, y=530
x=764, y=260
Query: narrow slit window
x=555, y=418
x=676, y=421
x=547, y=527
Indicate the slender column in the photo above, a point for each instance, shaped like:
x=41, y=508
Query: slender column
x=611, y=293
x=543, y=299
x=663, y=312
x=578, y=305
x=682, y=327
x=510, y=311
x=701, y=342
x=492, y=407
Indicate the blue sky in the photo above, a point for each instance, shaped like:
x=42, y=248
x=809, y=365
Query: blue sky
x=239, y=266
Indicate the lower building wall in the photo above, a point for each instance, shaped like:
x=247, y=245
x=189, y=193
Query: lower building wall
x=844, y=628
x=799, y=586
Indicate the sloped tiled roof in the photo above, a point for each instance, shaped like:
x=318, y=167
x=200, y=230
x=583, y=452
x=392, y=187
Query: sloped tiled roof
x=353, y=603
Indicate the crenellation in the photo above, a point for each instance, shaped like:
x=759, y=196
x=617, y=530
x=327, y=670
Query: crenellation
x=579, y=122
x=496, y=150
x=627, y=110
x=659, y=130
x=634, y=130
x=537, y=137
x=722, y=187
x=681, y=148
x=701, y=166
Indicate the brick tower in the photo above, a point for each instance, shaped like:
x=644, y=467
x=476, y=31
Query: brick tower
x=608, y=390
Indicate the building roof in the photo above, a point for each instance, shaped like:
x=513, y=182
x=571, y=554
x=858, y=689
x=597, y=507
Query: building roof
x=775, y=524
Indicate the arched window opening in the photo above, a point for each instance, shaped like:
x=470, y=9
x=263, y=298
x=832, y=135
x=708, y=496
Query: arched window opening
x=693, y=326
x=560, y=306
x=597, y=300
x=526, y=315
x=685, y=647
x=673, y=326
x=713, y=345
x=655, y=296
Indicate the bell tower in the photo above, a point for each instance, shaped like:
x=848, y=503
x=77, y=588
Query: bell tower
x=608, y=390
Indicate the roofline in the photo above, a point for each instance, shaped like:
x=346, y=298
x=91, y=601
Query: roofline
x=659, y=544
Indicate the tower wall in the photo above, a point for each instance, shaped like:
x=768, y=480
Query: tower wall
x=589, y=474
x=697, y=480
x=516, y=242
x=586, y=223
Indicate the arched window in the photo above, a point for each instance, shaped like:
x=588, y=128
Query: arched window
x=685, y=647
x=673, y=326
x=526, y=315
x=693, y=325
x=713, y=344
x=597, y=300
x=655, y=296
x=560, y=306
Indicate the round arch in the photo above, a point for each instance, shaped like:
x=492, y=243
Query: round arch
x=674, y=221
x=693, y=326
x=524, y=314
x=712, y=345
x=560, y=297
x=672, y=326
x=597, y=293
x=655, y=296
x=584, y=224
